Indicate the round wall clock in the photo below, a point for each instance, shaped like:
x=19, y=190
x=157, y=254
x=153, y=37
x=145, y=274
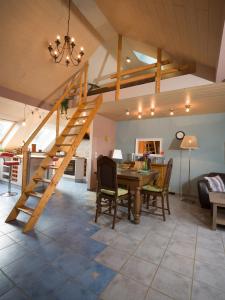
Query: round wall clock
x=180, y=135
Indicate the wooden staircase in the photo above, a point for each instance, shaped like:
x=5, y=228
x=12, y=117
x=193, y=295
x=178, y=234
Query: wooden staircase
x=67, y=142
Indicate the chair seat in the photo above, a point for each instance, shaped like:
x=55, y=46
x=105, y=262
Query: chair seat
x=121, y=192
x=151, y=188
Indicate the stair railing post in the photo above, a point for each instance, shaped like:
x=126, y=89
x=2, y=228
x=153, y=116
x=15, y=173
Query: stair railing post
x=25, y=169
x=57, y=122
x=85, y=81
x=81, y=88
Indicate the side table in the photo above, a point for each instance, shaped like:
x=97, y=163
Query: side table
x=218, y=200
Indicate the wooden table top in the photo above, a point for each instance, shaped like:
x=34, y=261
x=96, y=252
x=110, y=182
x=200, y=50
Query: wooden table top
x=133, y=174
x=217, y=197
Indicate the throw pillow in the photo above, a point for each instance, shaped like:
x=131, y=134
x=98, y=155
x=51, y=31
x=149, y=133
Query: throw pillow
x=215, y=184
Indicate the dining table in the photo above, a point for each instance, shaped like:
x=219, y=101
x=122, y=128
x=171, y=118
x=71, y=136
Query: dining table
x=135, y=180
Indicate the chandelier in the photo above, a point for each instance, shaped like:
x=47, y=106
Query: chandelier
x=67, y=50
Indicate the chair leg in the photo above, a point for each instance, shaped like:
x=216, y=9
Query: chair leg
x=98, y=204
x=168, y=204
x=163, y=208
x=147, y=200
x=129, y=206
x=114, y=215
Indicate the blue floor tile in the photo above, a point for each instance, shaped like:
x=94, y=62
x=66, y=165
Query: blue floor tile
x=72, y=264
x=10, y=254
x=96, y=278
x=88, y=247
x=24, y=267
x=5, y=284
x=5, y=241
x=43, y=284
x=13, y=294
x=74, y=291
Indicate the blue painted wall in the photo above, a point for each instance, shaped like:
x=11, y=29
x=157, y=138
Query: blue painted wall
x=209, y=129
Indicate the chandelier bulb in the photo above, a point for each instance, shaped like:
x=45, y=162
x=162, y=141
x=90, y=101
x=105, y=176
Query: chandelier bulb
x=58, y=37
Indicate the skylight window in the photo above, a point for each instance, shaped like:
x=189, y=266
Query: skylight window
x=145, y=58
x=4, y=128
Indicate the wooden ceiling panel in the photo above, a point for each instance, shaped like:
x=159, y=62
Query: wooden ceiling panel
x=189, y=30
x=26, y=28
x=203, y=99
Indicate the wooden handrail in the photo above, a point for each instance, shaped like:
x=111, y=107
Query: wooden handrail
x=139, y=69
x=70, y=84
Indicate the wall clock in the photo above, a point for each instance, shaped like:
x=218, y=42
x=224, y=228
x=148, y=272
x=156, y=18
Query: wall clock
x=180, y=135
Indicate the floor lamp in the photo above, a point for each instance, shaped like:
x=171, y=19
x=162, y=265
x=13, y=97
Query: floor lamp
x=189, y=143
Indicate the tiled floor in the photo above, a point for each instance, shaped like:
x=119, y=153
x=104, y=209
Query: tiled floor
x=70, y=257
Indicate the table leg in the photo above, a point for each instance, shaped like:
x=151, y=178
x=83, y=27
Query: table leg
x=214, y=216
x=137, y=205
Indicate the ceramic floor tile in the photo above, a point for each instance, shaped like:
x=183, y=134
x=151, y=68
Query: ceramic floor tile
x=181, y=236
x=212, y=275
x=156, y=295
x=182, y=248
x=72, y=263
x=125, y=289
x=5, y=241
x=210, y=243
x=139, y=270
x=202, y=291
x=10, y=254
x=105, y=235
x=178, y=263
x=14, y=294
x=96, y=277
x=5, y=284
x=152, y=249
x=172, y=284
x=124, y=243
x=74, y=291
x=24, y=267
x=112, y=258
x=210, y=256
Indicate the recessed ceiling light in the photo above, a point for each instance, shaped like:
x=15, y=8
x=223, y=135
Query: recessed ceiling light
x=128, y=60
x=187, y=107
x=171, y=112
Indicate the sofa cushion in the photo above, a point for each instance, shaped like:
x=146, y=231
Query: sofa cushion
x=215, y=183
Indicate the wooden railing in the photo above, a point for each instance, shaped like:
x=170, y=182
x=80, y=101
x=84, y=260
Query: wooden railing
x=78, y=82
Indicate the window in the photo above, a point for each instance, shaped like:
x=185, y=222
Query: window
x=4, y=127
x=145, y=58
x=44, y=138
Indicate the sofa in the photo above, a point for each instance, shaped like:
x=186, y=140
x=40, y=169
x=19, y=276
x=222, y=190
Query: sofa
x=203, y=190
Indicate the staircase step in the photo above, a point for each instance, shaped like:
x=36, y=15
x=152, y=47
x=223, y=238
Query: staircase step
x=62, y=145
x=50, y=167
x=70, y=134
x=45, y=180
x=75, y=125
x=34, y=194
x=85, y=109
x=26, y=210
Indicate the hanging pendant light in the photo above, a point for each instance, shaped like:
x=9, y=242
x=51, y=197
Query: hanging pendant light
x=68, y=51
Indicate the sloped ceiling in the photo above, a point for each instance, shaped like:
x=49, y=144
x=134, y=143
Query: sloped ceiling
x=26, y=28
x=187, y=30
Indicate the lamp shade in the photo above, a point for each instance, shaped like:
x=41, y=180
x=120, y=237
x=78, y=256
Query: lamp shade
x=117, y=154
x=189, y=142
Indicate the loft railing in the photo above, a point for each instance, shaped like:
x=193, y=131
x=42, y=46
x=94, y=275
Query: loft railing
x=77, y=86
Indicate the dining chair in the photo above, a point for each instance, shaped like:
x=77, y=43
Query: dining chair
x=108, y=194
x=154, y=191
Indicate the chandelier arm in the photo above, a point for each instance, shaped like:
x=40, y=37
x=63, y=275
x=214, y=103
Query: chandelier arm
x=61, y=56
